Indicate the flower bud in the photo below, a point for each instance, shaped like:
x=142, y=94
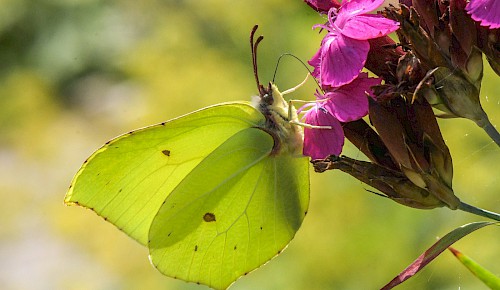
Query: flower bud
x=410, y=163
x=391, y=183
x=412, y=136
x=453, y=94
x=488, y=40
x=445, y=40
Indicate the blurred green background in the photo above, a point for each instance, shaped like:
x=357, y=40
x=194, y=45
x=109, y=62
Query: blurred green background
x=75, y=73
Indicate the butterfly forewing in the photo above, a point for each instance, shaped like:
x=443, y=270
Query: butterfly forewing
x=127, y=180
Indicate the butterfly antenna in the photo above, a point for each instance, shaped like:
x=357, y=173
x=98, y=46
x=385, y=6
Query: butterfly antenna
x=301, y=61
x=253, y=47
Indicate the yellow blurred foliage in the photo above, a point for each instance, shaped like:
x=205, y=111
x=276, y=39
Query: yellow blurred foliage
x=77, y=73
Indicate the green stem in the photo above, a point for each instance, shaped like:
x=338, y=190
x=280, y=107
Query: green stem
x=490, y=130
x=478, y=211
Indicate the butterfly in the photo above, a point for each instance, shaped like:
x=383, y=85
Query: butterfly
x=213, y=194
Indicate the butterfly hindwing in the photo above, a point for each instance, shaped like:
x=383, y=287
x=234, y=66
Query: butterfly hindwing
x=235, y=211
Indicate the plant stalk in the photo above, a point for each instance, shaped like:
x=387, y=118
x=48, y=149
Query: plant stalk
x=490, y=130
x=479, y=211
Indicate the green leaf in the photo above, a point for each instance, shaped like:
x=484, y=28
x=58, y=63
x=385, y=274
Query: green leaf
x=435, y=250
x=492, y=281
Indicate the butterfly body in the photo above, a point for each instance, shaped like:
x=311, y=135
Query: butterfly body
x=287, y=135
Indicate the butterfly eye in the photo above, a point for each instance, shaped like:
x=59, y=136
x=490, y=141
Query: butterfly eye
x=267, y=98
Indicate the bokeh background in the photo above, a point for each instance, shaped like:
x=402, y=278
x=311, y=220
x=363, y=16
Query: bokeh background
x=74, y=73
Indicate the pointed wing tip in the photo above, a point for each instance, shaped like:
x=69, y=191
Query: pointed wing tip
x=68, y=197
x=69, y=202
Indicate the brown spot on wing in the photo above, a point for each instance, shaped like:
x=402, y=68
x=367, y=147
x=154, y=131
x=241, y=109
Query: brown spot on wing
x=209, y=217
x=166, y=152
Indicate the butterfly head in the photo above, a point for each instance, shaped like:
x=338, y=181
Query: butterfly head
x=288, y=137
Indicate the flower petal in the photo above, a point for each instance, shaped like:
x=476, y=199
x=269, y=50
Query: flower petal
x=368, y=26
x=341, y=59
x=322, y=5
x=350, y=102
x=320, y=143
x=347, y=108
x=487, y=12
x=356, y=7
x=315, y=62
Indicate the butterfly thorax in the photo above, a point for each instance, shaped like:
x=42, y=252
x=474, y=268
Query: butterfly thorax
x=288, y=137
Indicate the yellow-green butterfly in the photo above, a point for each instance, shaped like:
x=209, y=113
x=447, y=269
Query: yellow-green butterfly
x=213, y=194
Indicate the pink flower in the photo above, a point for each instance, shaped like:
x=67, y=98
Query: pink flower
x=349, y=102
x=487, y=12
x=320, y=143
x=345, y=47
x=343, y=104
x=323, y=5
